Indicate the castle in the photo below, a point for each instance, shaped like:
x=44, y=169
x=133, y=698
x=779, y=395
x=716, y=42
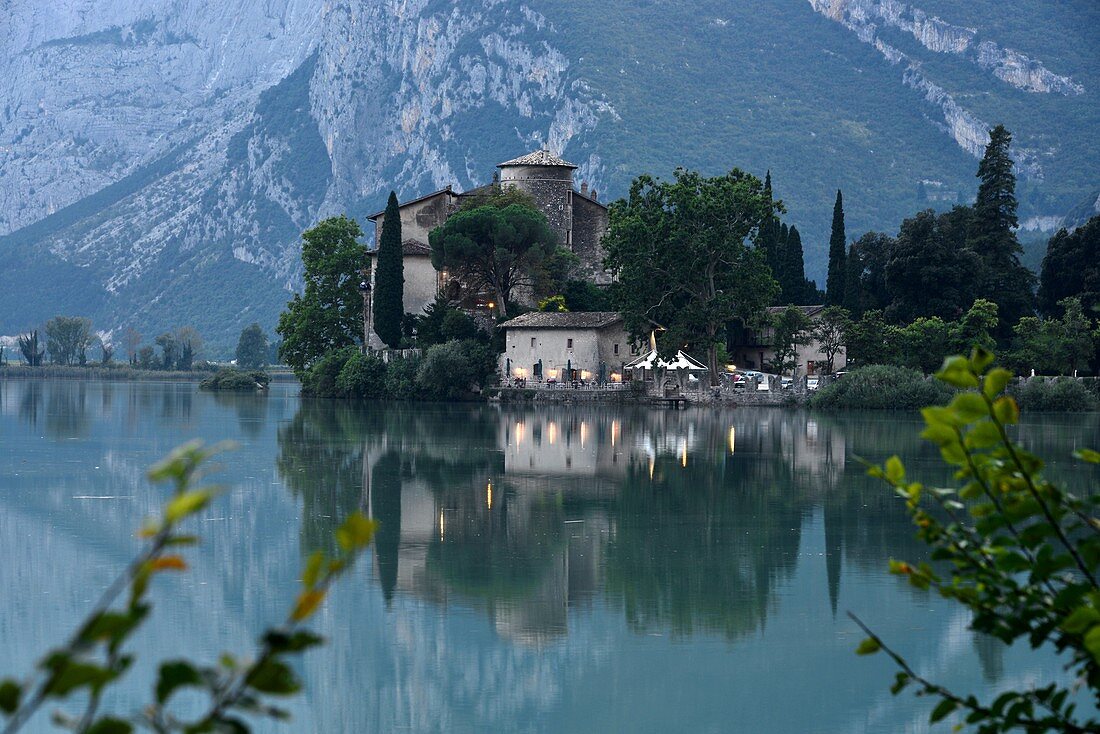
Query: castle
x=575, y=215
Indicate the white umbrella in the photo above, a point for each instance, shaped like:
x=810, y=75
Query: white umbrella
x=651, y=361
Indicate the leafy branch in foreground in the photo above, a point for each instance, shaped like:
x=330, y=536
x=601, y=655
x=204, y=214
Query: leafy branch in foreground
x=94, y=657
x=1018, y=551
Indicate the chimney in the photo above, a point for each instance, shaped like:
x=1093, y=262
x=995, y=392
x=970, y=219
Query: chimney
x=584, y=188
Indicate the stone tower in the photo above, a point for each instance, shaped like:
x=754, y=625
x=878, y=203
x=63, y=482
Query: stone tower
x=549, y=181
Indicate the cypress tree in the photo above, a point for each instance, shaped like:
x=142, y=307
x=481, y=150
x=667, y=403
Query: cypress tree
x=389, y=278
x=834, y=284
x=794, y=289
x=991, y=233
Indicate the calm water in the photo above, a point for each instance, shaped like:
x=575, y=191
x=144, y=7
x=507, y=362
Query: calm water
x=587, y=570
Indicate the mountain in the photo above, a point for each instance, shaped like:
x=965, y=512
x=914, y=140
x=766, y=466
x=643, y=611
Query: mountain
x=158, y=160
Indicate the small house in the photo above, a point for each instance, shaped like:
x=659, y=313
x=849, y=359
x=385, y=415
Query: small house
x=752, y=349
x=555, y=347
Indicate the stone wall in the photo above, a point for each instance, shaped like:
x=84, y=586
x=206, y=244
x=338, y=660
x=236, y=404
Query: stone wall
x=589, y=226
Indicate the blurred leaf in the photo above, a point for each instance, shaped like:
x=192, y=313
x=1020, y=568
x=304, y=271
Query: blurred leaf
x=942, y=710
x=274, y=677
x=995, y=382
x=1092, y=457
x=869, y=646
x=175, y=674
x=186, y=504
x=10, y=691
x=895, y=470
x=356, y=532
x=307, y=604
x=296, y=641
x=169, y=563
x=970, y=406
x=980, y=358
x=1006, y=411
x=110, y=725
x=312, y=572
x=956, y=371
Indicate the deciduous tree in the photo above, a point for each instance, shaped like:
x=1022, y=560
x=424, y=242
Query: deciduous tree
x=679, y=255
x=68, y=339
x=329, y=313
x=830, y=331
x=252, y=348
x=790, y=330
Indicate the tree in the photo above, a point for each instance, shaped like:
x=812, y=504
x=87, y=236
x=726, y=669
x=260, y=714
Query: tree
x=497, y=250
x=68, y=339
x=146, y=358
x=830, y=331
x=1020, y=553
x=790, y=330
x=927, y=275
x=874, y=250
x=581, y=295
x=329, y=313
x=1071, y=268
x=169, y=349
x=252, y=348
x=189, y=344
x=870, y=340
x=131, y=340
x=28, y=345
x=1075, y=330
x=924, y=343
x=389, y=278
x=834, y=284
x=796, y=288
x=975, y=328
x=991, y=233
x=854, y=270
x=678, y=252
x=108, y=350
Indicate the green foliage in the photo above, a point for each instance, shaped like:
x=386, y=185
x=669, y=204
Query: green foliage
x=1017, y=551
x=1054, y=346
x=553, y=303
x=389, y=278
x=1071, y=268
x=880, y=387
x=400, y=383
x=581, y=295
x=679, y=255
x=362, y=376
x=790, y=330
x=319, y=380
x=442, y=322
x=28, y=345
x=837, y=278
x=252, y=348
x=1061, y=394
x=68, y=339
x=329, y=314
x=233, y=380
x=928, y=271
x=455, y=370
x=830, y=331
x=95, y=656
x=497, y=250
x=991, y=233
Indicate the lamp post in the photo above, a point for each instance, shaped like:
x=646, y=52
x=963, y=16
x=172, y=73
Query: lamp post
x=365, y=290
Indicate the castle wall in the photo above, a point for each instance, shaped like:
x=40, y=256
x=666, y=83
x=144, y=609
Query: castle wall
x=552, y=190
x=418, y=218
x=589, y=226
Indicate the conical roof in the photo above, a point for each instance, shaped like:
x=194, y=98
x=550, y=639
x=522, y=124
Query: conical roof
x=537, y=158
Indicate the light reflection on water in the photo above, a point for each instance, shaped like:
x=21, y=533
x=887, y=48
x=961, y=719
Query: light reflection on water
x=561, y=569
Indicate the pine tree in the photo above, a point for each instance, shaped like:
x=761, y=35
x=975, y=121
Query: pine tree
x=389, y=278
x=834, y=284
x=991, y=234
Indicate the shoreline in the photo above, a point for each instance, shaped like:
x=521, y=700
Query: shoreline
x=122, y=373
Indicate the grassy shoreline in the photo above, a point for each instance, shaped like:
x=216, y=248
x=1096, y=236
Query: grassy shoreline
x=119, y=373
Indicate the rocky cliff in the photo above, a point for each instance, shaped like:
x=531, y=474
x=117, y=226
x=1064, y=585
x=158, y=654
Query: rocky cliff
x=158, y=160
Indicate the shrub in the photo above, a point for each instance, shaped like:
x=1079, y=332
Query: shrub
x=458, y=325
x=362, y=376
x=230, y=379
x=401, y=379
x=453, y=370
x=1064, y=394
x=320, y=379
x=881, y=387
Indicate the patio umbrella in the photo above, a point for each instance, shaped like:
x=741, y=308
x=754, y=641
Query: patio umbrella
x=540, y=368
x=568, y=369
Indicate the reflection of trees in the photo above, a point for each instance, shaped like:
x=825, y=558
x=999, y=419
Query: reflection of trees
x=30, y=402
x=67, y=409
x=698, y=549
x=251, y=409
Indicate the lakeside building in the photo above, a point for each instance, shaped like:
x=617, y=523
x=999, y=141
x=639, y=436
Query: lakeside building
x=754, y=350
x=575, y=215
x=545, y=346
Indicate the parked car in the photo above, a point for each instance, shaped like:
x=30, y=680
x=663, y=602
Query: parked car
x=787, y=383
x=811, y=383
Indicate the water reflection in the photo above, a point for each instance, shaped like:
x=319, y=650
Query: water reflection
x=684, y=520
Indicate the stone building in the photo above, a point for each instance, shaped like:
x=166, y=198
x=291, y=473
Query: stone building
x=563, y=347
x=575, y=214
x=754, y=349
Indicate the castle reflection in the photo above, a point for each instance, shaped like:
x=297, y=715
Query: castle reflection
x=684, y=520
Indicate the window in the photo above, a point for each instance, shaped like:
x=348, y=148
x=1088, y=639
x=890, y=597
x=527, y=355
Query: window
x=532, y=342
x=568, y=343
x=616, y=349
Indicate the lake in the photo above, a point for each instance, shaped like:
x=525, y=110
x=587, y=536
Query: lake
x=561, y=569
